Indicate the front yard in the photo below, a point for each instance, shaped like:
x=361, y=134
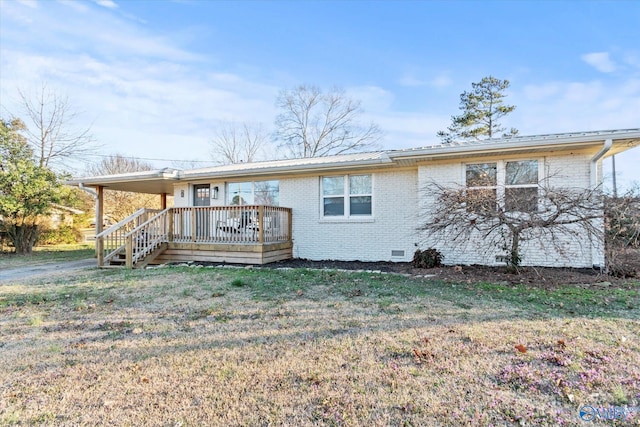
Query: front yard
x=222, y=346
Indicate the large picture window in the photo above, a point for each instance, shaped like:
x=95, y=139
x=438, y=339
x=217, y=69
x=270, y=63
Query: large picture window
x=254, y=193
x=346, y=196
x=513, y=182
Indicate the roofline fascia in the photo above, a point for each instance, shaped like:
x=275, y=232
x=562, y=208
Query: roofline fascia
x=518, y=145
x=383, y=161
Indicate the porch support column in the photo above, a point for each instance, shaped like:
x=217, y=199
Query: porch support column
x=99, y=222
x=163, y=201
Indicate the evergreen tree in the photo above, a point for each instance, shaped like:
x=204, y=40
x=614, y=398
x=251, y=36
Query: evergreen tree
x=482, y=108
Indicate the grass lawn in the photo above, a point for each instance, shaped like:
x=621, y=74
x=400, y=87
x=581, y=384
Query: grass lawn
x=204, y=346
x=46, y=254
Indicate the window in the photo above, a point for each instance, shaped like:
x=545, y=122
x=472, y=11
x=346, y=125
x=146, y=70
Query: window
x=482, y=185
x=515, y=182
x=254, y=193
x=346, y=196
x=521, y=186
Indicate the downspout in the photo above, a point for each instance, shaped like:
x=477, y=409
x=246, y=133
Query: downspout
x=95, y=198
x=608, y=143
x=88, y=190
x=597, y=248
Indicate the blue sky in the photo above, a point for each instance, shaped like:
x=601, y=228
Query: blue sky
x=155, y=78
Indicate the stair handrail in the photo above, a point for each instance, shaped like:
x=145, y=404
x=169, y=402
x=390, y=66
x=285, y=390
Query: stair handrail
x=111, y=241
x=122, y=223
x=140, y=241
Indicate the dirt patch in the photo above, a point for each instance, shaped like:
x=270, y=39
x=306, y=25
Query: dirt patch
x=533, y=276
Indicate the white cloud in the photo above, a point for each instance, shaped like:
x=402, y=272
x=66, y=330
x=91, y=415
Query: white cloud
x=600, y=61
x=33, y=4
x=109, y=4
x=439, y=81
x=373, y=98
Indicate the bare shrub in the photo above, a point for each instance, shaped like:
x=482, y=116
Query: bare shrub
x=502, y=219
x=622, y=238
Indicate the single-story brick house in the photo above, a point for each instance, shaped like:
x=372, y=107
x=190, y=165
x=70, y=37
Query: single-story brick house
x=364, y=206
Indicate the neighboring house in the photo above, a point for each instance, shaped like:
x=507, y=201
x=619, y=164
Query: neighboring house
x=60, y=215
x=365, y=206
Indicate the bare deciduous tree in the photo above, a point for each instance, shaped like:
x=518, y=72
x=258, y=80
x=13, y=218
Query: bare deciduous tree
x=315, y=124
x=120, y=204
x=622, y=219
x=238, y=143
x=50, y=130
x=554, y=215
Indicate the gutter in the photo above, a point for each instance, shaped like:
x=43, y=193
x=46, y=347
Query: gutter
x=608, y=143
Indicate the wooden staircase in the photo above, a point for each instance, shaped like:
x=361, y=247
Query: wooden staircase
x=135, y=241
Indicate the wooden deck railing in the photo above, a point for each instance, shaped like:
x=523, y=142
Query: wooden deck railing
x=112, y=240
x=142, y=233
x=231, y=224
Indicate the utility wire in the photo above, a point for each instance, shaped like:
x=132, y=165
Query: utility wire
x=154, y=159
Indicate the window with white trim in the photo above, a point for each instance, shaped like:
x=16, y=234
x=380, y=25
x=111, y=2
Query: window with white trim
x=521, y=186
x=511, y=184
x=482, y=186
x=346, y=196
x=254, y=193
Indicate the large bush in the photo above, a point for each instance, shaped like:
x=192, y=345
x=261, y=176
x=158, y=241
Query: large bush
x=63, y=235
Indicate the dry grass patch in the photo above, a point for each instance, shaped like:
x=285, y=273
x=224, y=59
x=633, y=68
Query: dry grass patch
x=46, y=254
x=255, y=347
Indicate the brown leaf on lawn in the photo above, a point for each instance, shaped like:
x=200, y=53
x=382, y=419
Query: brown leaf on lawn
x=426, y=340
x=422, y=356
x=521, y=348
x=561, y=343
x=299, y=293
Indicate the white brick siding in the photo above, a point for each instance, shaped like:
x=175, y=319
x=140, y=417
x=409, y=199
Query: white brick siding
x=568, y=170
x=401, y=201
x=392, y=226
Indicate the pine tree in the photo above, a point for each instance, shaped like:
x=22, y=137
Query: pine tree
x=482, y=108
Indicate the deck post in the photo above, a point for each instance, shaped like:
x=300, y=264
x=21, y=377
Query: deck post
x=290, y=230
x=129, y=252
x=261, y=224
x=193, y=224
x=99, y=222
x=170, y=225
x=163, y=201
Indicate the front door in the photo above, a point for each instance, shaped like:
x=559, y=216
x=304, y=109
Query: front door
x=202, y=197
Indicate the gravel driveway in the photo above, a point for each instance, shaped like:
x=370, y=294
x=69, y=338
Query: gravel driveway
x=12, y=275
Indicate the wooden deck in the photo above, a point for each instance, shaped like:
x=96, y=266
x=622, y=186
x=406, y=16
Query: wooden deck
x=256, y=254
x=253, y=234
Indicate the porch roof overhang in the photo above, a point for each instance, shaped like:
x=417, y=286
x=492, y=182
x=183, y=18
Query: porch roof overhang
x=163, y=180
x=152, y=182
